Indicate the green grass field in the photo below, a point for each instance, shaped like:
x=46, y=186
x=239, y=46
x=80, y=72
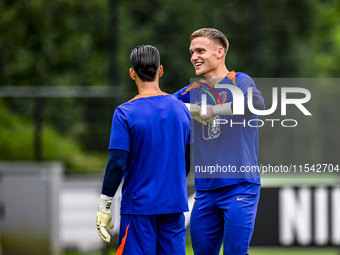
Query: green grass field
x=263, y=251
x=294, y=251
x=284, y=251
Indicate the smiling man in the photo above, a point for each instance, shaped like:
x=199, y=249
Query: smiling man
x=207, y=54
x=227, y=197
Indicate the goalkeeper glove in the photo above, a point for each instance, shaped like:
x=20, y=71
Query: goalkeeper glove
x=194, y=110
x=104, y=218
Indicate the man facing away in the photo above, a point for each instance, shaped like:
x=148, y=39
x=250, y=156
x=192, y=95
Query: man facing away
x=227, y=196
x=149, y=146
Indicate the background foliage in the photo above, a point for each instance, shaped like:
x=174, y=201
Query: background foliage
x=67, y=43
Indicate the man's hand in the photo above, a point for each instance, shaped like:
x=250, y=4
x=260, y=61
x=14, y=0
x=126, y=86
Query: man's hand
x=104, y=218
x=210, y=113
x=194, y=110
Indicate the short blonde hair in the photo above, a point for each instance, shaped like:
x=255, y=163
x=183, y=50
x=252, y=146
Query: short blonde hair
x=212, y=34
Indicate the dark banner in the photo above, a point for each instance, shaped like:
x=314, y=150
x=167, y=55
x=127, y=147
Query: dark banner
x=298, y=216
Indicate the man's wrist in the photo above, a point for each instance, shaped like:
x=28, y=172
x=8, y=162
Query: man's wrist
x=224, y=109
x=104, y=202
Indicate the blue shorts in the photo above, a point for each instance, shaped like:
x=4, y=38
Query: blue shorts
x=226, y=214
x=152, y=234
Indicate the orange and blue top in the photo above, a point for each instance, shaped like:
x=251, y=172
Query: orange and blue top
x=225, y=152
x=154, y=129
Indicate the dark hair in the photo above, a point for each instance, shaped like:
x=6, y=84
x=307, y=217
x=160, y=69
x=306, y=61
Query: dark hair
x=145, y=60
x=212, y=34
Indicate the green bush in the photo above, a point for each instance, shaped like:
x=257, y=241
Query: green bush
x=17, y=143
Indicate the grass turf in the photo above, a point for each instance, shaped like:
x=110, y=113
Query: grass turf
x=258, y=251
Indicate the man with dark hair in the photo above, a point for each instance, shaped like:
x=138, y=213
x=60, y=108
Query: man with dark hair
x=145, y=61
x=149, y=146
x=224, y=146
